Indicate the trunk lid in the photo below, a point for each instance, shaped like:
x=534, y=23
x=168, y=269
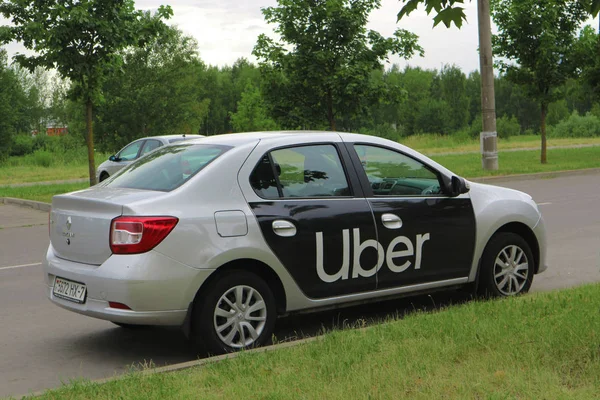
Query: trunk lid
x=80, y=221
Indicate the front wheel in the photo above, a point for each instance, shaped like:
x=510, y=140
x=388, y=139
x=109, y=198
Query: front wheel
x=237, y=312
x=507, y=266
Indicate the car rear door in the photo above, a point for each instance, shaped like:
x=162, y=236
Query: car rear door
x=427, y=236
x=314, y=217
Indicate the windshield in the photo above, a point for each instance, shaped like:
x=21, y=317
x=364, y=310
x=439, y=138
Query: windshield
x=167, y=168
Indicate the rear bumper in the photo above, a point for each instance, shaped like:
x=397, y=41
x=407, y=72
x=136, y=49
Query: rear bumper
x=157, y=288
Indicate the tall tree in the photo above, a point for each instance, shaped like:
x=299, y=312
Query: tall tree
x=537, y=41
x=252, y=114
x=156, y=91
x=81, y=40
x=321, y=65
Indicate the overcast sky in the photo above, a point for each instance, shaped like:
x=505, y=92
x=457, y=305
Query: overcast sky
x=227, y=30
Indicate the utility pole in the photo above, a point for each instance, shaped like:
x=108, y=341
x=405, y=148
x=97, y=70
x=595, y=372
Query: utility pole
x=489, y=136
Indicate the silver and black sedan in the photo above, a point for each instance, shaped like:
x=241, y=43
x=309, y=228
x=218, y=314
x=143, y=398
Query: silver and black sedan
x=224, y=234
x=135, y=150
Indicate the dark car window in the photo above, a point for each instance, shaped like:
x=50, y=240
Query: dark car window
x=167, y=168
x=391, y=173
x=151, y=144
x=303, y=171
x=130, y=152
x=263, y=179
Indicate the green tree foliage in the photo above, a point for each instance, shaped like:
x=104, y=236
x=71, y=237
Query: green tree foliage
x=82, y=40
x=450, y=86
x=252, y=114
x=13, y=106
x=451, y=11
x=537, y=40
x=319, y=70
x=157, y=91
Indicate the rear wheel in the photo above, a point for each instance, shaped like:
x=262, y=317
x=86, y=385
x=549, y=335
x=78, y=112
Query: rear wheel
x=507, y=266
x=237, y=312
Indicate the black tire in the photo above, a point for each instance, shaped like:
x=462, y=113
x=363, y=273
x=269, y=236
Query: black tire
x=103, y=176
x=204, y=335
x=498, y=258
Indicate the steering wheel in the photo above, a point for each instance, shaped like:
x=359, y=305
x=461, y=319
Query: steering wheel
x=433, y=189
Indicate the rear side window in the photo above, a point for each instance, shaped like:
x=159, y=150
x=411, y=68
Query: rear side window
x=303, y=171
x=166, y=168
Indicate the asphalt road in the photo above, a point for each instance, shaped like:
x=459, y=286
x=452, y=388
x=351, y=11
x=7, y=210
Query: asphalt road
x=42, y=345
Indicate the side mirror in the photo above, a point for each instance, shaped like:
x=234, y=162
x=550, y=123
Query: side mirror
x=112, y=158
x=458, y=186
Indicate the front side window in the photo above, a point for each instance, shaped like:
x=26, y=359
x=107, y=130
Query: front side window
x=391, y=173
x=130, y=152
x=167, y=168
x=304, y=171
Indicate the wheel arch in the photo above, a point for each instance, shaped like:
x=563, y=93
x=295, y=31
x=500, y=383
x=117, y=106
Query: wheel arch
x=527, y=234
x=256, y=267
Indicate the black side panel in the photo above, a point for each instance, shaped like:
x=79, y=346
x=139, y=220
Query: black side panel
x=334, y=223
x=441, y=232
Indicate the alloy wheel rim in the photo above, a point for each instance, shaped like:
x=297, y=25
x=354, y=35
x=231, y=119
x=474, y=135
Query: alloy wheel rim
x=511, y=270
x=240, y=316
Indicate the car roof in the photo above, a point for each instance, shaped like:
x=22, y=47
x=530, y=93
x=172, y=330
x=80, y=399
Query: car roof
x=238, y=139
x=167, y=137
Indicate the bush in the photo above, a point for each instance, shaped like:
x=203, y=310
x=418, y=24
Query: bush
x=42, y=158
x=21, y=145
x=576, y=126
x=39, y=142
x=507, y=127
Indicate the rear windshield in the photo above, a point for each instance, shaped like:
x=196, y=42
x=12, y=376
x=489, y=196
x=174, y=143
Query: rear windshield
x=166, y=168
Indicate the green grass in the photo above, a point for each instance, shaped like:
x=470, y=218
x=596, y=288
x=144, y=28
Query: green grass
x=522, y=162
x=42, y=193
x=73, y=164
x=541, y=346
x=45, y=166
x=432, y=144
x=467, y=165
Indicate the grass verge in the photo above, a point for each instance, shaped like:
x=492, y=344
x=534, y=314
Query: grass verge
x=46, y=166
x=522, y=162
x=467, y=165
x=544, y=345
x=52, y=167
x=42, y=193
x=432, y=144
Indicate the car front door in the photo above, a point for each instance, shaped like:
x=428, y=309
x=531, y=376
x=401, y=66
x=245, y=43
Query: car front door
x=314, y=217
x=426, y=235
x=125, y=156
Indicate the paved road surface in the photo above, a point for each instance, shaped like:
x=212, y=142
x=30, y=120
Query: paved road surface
x=42, y=345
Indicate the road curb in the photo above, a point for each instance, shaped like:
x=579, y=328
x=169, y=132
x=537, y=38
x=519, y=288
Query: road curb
x=537, y=175
x=38, y=205
x=191, y=364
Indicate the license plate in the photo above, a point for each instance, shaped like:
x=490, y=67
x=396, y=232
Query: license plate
x=69, y=290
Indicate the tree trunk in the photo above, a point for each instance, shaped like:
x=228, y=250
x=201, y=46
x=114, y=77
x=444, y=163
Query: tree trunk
x=330, y=115
x=489, y=136
x=543, y=158
x=90, y=142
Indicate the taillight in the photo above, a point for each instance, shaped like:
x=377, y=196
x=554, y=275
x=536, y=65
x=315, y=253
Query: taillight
x=134, y=235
